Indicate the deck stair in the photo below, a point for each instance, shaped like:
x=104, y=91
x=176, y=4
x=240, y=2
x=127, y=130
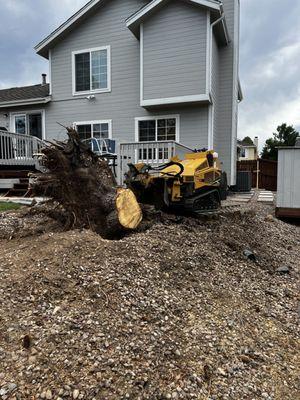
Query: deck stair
x=16, y=182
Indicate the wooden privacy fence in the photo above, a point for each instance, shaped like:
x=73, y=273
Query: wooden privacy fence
x=267, y=176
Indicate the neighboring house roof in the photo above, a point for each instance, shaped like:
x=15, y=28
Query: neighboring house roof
x=243, y=144
x=26, y=95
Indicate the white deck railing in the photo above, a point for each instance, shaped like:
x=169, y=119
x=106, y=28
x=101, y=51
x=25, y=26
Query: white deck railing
x=17, y=149
x=152, y=153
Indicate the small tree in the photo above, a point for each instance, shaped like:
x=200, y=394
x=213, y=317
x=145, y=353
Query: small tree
x=286, y=135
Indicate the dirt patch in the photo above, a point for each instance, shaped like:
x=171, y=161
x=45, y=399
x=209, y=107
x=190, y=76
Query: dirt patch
x=174, y=311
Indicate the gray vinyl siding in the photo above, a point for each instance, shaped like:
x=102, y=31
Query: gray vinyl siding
x=175, y=51
x=106, y=27
x=193, y=121
x=122, y=104
x=288, y=190
x=194, y=127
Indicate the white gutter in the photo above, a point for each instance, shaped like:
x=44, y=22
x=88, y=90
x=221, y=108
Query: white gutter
x=27, y=102
x=222, y=18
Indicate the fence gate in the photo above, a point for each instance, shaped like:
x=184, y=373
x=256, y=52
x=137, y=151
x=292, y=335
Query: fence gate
x=267, y=178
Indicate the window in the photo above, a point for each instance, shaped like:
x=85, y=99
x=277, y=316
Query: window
x=20, y=124
x=91, y=71
x=29, y=123
x=157, y=129
x=166, y=129
x=147, y=131
x=94, y=129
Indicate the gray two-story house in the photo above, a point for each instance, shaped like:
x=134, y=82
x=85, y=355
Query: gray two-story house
x=138, y=71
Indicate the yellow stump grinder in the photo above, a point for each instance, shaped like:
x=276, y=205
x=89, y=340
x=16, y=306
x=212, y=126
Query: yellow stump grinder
x=195, y=184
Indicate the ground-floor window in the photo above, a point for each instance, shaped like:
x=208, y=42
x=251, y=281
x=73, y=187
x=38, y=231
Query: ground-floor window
x=28, y=123
x=97, y=134
x=156, y=129
x=94, y=129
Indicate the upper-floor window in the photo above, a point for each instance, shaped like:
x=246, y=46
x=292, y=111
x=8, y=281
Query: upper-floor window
x=91, y=71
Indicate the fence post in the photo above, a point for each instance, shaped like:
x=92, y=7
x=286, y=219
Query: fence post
x=257, y=174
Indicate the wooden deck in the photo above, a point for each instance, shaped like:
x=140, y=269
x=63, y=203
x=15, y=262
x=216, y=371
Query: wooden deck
x=152, y=153
x=19, y=150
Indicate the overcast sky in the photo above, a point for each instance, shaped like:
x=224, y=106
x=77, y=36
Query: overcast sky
x=269, y=55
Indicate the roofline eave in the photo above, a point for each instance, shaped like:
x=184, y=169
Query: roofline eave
x=43, y=46
x=134, y=21
x=25, y=102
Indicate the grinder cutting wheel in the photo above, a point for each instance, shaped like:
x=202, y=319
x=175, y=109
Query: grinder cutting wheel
x=194, y=184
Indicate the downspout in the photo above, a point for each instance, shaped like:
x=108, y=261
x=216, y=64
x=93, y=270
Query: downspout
x=222, y=18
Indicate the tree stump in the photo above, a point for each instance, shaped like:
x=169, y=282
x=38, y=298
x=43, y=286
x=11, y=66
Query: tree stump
x=85, y=186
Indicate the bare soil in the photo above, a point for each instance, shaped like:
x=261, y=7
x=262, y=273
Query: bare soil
x=174, y=311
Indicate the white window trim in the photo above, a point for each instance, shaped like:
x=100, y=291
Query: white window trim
x=156, y=117
x=106, y=90
x=198, y=98
x=22, y=113
x=103, y=121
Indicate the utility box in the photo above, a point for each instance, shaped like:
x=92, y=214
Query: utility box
x=288, y=189
x=243, y=181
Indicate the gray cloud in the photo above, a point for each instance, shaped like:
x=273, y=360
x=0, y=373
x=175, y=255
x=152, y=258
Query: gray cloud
x=269, y=66
x=269, y=55
x=23, y=24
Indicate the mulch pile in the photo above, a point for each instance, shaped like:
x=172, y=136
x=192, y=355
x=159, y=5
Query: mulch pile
x=176, y=311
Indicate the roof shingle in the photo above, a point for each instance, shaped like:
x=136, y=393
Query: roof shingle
x=24, y=93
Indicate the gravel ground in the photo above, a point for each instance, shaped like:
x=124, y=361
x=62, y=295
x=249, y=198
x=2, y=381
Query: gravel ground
x=176, y=311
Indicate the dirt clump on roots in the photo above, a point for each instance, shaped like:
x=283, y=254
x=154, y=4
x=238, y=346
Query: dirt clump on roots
x=176, y=311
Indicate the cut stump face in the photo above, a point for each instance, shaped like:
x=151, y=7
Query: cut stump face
x=129, y=210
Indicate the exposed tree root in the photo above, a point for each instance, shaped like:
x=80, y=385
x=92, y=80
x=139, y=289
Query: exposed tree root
x=84, y=185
